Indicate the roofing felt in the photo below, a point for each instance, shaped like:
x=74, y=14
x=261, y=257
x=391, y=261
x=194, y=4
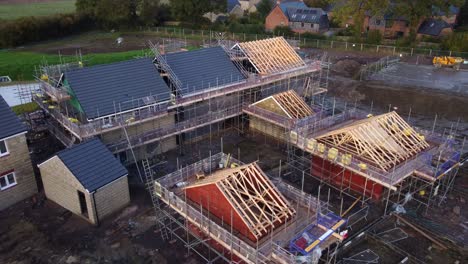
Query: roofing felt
x=9, y=123
x=204, y=68
x=106, y=89
x=432, y=27
x=92, y=164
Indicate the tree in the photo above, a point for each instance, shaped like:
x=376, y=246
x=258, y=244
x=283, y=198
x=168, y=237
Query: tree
x=357, y=10
x=464, y=15
x=264, y=8
x=148, y=12
x=317, y=3
x=113, y=13
x=190, y=10
x=416, y=10
x=86, y=7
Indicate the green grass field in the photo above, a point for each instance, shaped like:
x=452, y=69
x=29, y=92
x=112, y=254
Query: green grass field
x=12, y=11
x=20, y=65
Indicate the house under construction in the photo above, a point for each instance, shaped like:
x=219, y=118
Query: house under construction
x=240, y=215
x=147, y=106
x=356, y=152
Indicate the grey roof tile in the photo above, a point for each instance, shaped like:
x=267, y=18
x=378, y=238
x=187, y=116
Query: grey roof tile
x=9, y=123
x=92, y=164
x=203, y=68
x=432, y=27
x=100, y=89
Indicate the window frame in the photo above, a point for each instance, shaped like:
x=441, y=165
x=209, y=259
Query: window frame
x=6, y=147
x=9, y=185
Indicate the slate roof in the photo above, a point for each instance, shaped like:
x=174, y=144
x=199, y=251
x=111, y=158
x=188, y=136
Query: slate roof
x=292, y=4
x=432, y=27
x=231, y=4
x=92, y=164
x=204, y=68
x=9, y=123
x=308, y=15
x=100, y=89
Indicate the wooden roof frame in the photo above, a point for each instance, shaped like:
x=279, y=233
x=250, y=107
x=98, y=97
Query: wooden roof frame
x=252, y=195
x=383, y=140
x=270, y=55
x=291, y=104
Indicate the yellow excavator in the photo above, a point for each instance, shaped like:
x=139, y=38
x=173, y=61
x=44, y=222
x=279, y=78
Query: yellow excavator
x=447, y=61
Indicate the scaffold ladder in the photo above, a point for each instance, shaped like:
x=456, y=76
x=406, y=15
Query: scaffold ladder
x=154, y=199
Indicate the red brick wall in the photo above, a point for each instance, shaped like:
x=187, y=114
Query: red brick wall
x=211, y=198
x=275, y=18
x=327, y=170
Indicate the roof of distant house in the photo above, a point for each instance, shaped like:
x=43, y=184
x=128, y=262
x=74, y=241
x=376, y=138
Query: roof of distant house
x=231, y=4
x=432, y=27
x=10, y=124
x=201, y=69
x=111, y=88
x=292, y=4
x=307, y=15
x=92, y=164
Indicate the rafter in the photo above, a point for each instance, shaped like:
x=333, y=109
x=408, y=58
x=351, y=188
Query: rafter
x=271, y=55
x=383, y=140
x=248, y=190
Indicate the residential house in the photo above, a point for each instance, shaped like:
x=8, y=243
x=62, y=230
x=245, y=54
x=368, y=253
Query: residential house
x=389, y=25
x=298, y=17
x=17, y=181
x=434, y=28
x=87, y=180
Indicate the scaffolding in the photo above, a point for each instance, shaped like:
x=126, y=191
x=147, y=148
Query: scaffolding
x=200, y=231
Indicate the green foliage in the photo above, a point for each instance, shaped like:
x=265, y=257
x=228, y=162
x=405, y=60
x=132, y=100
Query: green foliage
x=20, y=65
x=39, y=9
x=374, y=37
x=86, y=7
x=456, y=42
x=358, y=10
x=317, y=3
x=246, y=28
x=28, y=29
x=264, y=8
x=283, y=31
x=114, y=13
x=463, y=17
x=149, y=12
x=416, y=10
x=190, y=11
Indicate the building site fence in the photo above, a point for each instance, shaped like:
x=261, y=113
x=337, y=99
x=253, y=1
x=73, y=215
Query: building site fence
x=305, y=42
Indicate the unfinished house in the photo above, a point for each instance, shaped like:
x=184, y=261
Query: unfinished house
x=87, y=180
x=240, y=214
x=275, y=115
x=374, y=156
x=147, y=106
x=17, y=181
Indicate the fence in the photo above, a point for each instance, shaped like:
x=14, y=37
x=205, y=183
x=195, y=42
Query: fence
x=306, y=42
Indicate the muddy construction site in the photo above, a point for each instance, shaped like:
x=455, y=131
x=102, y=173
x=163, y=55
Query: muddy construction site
x=39, y=231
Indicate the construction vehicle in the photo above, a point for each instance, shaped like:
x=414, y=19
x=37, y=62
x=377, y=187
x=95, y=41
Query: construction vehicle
x=447, y=61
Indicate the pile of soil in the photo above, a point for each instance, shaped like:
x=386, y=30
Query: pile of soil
x=346, y=68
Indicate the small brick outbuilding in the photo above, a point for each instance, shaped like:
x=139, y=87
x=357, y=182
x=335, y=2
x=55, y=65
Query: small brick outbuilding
x=87, y=180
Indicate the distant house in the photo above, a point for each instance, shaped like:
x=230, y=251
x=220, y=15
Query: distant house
x=298, y=17
x=451, y=16
x=234, y=8
x=87, y=180
x=434, y=28
x=17, y=180
x=389, y=25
